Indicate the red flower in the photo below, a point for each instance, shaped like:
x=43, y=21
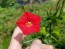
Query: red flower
x=29, y=23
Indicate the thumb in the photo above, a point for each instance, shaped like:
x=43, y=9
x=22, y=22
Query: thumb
x=36, y=44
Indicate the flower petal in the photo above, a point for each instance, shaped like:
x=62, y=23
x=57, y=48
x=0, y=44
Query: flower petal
x=34, y=19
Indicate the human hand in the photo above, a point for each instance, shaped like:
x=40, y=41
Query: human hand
x=37, y=44
x=18, y=36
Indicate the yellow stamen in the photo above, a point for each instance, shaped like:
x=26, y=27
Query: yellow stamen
x=28, y=24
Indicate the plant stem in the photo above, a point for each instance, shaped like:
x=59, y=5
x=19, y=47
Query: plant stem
x=57, y=8
x=61, y=9
x=56, y=39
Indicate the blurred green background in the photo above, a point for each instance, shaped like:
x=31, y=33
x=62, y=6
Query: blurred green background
x=52, y=30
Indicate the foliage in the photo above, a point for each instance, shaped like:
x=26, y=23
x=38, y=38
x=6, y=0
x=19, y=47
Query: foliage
x=52, y=29
x=5, y=3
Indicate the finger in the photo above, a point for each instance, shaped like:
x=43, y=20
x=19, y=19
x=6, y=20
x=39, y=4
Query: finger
x=44, y=46
x=27, y=47
x=36, y=44
x=18, y=34
x=18, y=31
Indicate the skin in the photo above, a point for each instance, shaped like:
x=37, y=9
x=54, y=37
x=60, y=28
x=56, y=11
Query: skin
x=18, y=36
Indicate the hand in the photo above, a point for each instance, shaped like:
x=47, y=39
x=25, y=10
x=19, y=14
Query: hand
x=37, y=44
x=18, y=36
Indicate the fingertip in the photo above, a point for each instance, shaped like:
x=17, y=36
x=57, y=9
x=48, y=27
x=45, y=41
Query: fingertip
x=36, y=44
x=44, y=46
x=50, y=46
x=27, y=47
x=37, y=41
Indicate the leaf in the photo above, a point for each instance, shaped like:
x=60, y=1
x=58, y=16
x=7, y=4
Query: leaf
x=42, y=31
x=1, y=8
x=57, y=31
x=63, y=16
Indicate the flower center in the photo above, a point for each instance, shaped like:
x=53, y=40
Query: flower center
x=28, y=24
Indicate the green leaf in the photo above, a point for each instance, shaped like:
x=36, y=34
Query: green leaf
x=57, y=31
x=1, y=9
x=42, y=31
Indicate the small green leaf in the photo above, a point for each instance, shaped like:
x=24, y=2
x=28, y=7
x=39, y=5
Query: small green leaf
x=43, y=31
x=1, y=8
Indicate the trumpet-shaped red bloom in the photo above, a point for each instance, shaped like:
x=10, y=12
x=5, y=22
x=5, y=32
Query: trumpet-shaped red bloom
x=29, y=23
